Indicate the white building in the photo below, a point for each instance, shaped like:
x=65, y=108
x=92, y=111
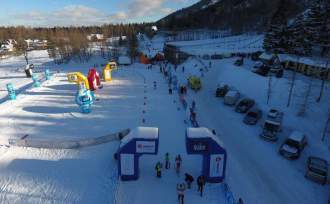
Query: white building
x=8, y=45
x=97, y=36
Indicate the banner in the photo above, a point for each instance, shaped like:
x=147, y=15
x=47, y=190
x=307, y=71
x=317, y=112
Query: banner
x=216, y=165
x=127, y=164
x=145, y=147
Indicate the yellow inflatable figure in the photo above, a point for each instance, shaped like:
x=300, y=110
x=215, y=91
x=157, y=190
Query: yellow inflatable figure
x=78, y=78
x=108, y=69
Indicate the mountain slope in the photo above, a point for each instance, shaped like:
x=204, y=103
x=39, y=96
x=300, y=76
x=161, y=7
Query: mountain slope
x=237, y=15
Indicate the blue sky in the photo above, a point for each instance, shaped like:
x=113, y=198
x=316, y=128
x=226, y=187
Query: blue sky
x=85, y=12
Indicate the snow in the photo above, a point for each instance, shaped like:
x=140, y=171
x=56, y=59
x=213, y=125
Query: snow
x=290, y=149
x=140, y=133
x=202, y=132
x=12, y=71
x=124, y=60
x=296, y=136
x=255, y=171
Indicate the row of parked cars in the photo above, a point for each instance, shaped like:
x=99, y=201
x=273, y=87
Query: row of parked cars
x=293, y=145
x=264, y=69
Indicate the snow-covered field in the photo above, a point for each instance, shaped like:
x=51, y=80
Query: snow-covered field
x=255, y=170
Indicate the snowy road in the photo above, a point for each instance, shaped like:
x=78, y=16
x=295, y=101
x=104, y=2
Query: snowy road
x=255, y=171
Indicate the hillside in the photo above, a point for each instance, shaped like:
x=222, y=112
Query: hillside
x=237, y=15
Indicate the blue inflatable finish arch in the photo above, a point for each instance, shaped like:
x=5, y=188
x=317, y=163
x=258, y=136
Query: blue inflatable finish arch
x=201, y=141
x=142, y=140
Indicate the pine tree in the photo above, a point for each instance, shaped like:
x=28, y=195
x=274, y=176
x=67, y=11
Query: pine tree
x=325, y=31
x=276, y=38
x=297, y=40
x=314, y=23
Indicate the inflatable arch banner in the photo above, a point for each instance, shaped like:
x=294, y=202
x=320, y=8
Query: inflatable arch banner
x=201, y=141
x=78, y=78
x=142, y=140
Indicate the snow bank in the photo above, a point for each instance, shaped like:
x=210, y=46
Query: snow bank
x=67, y=144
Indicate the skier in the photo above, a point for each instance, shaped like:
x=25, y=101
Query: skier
x=189, y=179
x=201, y=183
x=182, y=68
x=175, y=67
x=210, y=64
x=155, y=85
x=167, y=161
x=193, y=105
x=240, y=201
x=180, y=189
x=158, y=169
x=170, y=91
x=213, y=132
x=178, y=162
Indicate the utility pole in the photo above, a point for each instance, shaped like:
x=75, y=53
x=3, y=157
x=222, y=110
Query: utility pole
x=322, y=85
x=269, y=88
x=292, y=83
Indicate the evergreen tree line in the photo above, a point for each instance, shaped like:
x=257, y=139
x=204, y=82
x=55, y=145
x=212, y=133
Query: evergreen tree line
x=307, y=34
x=67, y=42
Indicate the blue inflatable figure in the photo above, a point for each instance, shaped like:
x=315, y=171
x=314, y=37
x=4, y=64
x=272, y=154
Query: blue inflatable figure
x=47, y=74
x=36, y=82
x=11, y=91
x=85, y=100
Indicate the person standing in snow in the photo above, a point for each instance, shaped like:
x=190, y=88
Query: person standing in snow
x=180, y=189
x=158, y=170
x=182, y=68
x=155, y=85
x=240, y=201
x=178, y=162
x=210, y=64
x=167, y=161
x=189, y=179
x=193, y=105
x=201, y=183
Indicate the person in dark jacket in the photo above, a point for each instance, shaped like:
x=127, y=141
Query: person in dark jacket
x=167, y=160
x=189, y=179
x=158, y=169
x=201, y=183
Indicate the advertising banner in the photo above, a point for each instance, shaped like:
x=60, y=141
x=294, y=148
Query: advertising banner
x=145, y=147
x=127, y=164
x=216, y=165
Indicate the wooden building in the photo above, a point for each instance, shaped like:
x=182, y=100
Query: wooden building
x=174, y=55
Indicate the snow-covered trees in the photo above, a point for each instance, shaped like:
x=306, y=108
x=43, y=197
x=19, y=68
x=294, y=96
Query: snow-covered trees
x=308, y=32
x=276, y=37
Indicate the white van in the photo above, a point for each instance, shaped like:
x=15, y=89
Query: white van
x=231, y=97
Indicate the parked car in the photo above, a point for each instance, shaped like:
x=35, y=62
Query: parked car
x=293, y=145
x=194, y=83
x=317, y=170
x=258, y=65
x=263, y=70
x=244, y=105
x=222, y=90
x=252, y=116
x=231, y=97
x=239, y=62
x=272, y=125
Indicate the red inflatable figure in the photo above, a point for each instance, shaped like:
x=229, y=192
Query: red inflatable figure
x=94, y=79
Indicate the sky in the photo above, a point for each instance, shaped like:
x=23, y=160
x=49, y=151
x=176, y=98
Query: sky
x=47, y=13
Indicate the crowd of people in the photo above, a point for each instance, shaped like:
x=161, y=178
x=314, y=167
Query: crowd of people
x=188, y=181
